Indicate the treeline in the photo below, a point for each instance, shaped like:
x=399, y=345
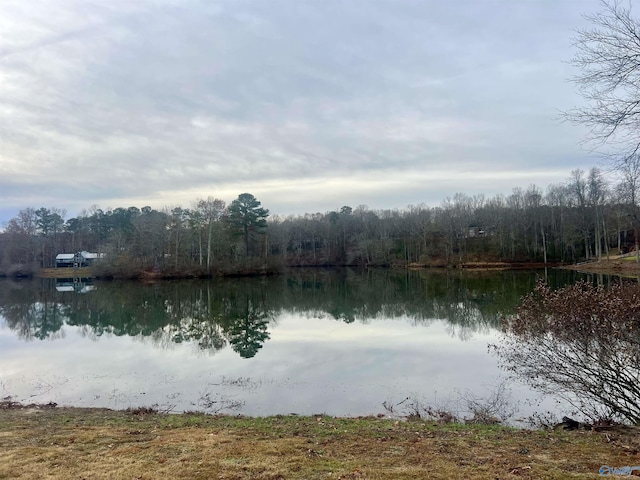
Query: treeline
x=583, y=218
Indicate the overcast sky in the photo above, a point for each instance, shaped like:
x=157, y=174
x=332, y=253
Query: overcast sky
x=307, y=104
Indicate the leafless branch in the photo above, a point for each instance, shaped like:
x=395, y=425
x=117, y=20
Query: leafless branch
x=608, y=60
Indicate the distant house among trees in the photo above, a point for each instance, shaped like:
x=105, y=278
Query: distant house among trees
x=474, y=232
x=79, y=259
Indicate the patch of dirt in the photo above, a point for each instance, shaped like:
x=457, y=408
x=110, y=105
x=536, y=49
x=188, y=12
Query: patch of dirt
x=612, y=266
x=84, y=272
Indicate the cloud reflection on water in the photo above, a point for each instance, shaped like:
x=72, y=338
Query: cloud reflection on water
x=345, y=369
x=126, y=345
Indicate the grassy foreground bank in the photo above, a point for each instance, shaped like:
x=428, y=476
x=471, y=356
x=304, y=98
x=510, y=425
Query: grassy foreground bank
x=74, y=443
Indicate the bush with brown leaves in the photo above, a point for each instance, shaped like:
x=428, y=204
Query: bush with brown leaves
x=580, y=343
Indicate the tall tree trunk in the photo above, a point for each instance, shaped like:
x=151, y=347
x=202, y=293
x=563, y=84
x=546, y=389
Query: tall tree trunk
x=544, y=244
x=209, y=246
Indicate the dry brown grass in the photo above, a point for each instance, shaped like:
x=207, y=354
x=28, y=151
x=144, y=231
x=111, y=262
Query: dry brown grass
x=623, y=266
x=100, y=444
x=83, y=272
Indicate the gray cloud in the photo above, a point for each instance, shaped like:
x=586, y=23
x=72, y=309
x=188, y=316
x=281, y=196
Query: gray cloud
x=308, y=105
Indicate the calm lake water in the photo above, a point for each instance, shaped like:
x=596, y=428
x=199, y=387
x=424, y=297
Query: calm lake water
x=336, y=342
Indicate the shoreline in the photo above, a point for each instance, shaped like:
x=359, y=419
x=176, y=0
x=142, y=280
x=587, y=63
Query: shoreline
x=619, y=265
x=623, y=266
x=66, y=442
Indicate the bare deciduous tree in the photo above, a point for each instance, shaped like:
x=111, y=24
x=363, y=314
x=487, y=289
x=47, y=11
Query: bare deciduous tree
x=608, y=57
x=211, y=210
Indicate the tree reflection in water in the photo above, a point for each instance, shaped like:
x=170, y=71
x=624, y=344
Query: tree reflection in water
x=239, y=312
x=580, y=343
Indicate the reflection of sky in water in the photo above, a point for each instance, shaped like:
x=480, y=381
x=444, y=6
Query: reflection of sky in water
x=309, y=365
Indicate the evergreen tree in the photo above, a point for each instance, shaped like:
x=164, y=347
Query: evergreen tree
x=247, y=217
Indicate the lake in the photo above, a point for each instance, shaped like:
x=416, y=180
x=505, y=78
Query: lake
x=340, y=342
